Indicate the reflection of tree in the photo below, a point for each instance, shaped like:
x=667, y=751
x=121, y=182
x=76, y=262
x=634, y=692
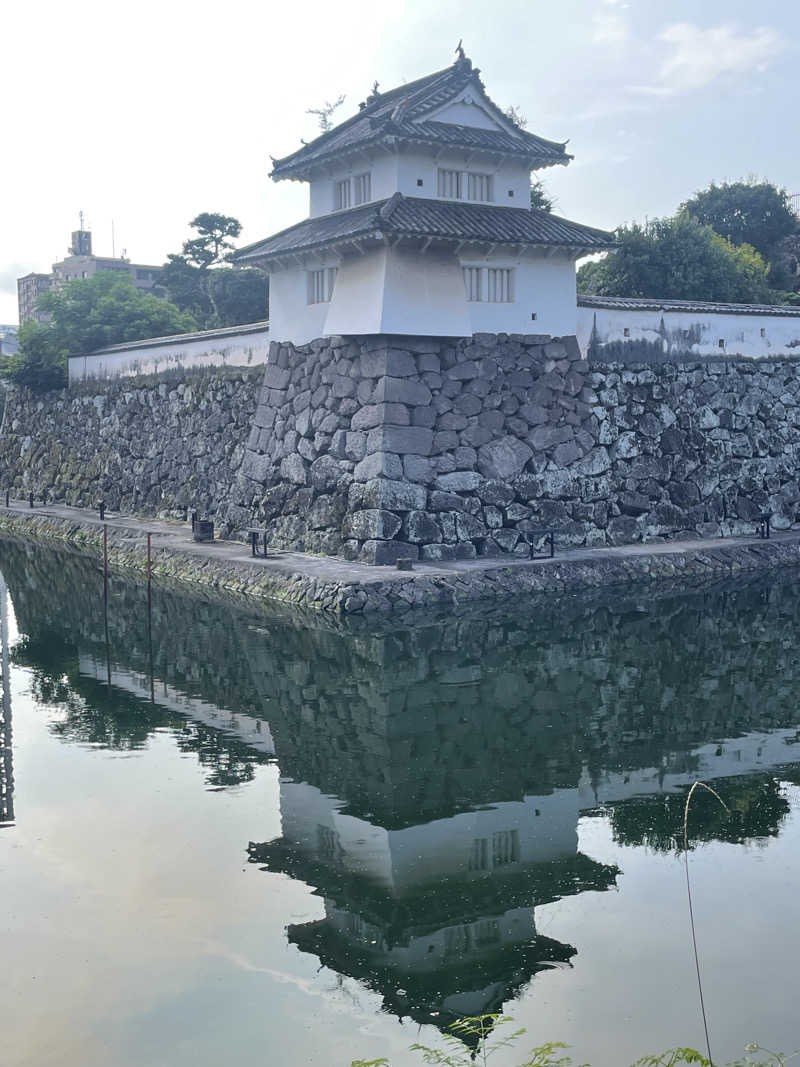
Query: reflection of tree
x=94, y=714
x=757, y=808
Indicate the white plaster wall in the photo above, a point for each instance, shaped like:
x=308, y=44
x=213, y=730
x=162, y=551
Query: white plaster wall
x=241, y=347
x=391, y=173
x=424, y=294
x=543, y=285
x=357, y=303
x=741, y=333
x=466, y=111
x=403, y=860
x=402, y=291
x=383, y=181
x=412, y=165
x=292, y=318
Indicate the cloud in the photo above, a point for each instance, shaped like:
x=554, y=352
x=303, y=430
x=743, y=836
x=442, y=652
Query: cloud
x=9, y=275
x=610, y=27
x=699, y=56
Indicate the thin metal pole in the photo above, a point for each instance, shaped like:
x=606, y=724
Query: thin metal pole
x=150, y=622
x=105, y=602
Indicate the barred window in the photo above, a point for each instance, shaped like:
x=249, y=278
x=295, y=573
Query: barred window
x=362, y=192
x=498, y=285
x=494, y=285
x=341, y=197
x=479, y=187
x=479, y=855
x=505, y=847
x=472, y=283
x=320, y=285
x=450, y=184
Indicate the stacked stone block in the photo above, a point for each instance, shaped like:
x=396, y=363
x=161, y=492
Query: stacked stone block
x=381, y=448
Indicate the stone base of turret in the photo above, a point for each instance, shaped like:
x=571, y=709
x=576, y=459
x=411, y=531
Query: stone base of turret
x=383, y=448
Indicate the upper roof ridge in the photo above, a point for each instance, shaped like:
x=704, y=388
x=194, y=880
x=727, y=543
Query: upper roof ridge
x=397, y=111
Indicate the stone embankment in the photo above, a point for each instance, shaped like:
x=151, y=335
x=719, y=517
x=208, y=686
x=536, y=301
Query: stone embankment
x=352, y=589
x=381, y=448
x=147, y=445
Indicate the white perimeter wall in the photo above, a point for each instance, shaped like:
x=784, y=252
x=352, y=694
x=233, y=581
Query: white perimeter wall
x=239, y=346
x=692, y=332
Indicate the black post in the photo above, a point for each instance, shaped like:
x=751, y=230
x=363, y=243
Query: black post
x=265, y=544
x=150, y=622
x=105, y=603
x=30, y=499
x=194, y=520
x=102, y=510
x=7, y=497
x=185, y=513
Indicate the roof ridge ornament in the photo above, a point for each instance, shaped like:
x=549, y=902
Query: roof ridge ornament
x=462, y=59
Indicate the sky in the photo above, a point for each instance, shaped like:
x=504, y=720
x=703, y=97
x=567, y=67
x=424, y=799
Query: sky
x=147, y=114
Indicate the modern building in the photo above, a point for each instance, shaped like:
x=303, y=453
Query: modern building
x=29, y=289
x=420, y=222
x=9, y=344
x=81, y=262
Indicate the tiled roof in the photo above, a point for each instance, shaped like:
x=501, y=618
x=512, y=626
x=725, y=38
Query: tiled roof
x=644, y=303
x=407, y=216
x=400, y=113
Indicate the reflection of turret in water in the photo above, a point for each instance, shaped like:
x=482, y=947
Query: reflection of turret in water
x=437, y=917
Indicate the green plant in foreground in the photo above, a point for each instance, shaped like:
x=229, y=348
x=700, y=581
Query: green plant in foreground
x=468, y=1043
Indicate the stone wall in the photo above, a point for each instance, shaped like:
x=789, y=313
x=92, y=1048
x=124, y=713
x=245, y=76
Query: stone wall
x=148, y=444
x=382, y=448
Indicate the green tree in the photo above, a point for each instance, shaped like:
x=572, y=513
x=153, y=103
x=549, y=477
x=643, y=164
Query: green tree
x=84, y=315
x=198, y=281
x=751, y=212
x=540, y=199
x=678, y=259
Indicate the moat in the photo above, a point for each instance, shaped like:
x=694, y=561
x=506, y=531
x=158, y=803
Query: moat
x=234, y=835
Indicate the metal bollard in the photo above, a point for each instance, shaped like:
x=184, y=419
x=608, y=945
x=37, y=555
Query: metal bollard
x=194, y=520
x=185, y=513
x=30, y=500
x=8, y=497
x=102, y=509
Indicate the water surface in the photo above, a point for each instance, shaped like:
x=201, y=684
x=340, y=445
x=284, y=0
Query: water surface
x=234, y=836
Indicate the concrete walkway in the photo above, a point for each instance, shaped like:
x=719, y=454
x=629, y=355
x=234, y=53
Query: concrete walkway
x=177, y=536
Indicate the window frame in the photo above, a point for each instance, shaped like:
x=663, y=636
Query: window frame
x=320, y=284
x=487, y=282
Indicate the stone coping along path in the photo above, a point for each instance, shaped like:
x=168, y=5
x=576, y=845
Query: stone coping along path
x=329, y=584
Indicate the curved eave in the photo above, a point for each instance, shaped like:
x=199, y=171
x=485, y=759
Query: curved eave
x=306, y=170
x=355, y=242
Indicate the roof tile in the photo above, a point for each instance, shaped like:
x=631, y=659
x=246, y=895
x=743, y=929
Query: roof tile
x=402, y=216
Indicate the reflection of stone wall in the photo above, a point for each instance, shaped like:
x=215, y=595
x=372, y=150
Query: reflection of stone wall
x=147, y=445
x=416, y=722
x=395, y=447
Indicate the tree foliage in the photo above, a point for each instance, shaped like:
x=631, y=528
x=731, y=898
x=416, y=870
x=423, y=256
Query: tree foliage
x=745, y=213
x=540, y=198
x=84, y=315
x=199, y=282
x=324, y=114
x=678, y=259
